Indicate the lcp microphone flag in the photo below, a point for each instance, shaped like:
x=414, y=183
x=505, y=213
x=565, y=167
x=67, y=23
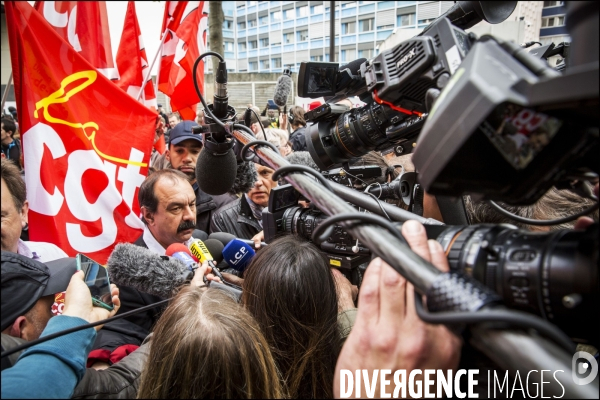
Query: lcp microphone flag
x=86, y=142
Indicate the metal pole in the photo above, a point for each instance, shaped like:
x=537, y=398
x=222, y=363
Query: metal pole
x=510, y=348
x=332, y=31
x=162, y=41
x=5, y=94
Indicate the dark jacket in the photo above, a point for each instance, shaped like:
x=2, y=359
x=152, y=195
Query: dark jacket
x=205, y=206
x=236, y=218
x=297, y=139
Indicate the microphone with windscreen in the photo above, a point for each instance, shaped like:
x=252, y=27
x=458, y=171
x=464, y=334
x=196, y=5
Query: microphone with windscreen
x=238, y=254
x=283, y=88
x=146, y=271
x=216, y=171
x=180, y=252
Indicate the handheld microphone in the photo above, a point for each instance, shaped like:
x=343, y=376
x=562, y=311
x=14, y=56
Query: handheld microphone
x=141, y=269
x=183, y=254
x=204, y=251
x=283, y=88
x=238, y=254
x=226, y=238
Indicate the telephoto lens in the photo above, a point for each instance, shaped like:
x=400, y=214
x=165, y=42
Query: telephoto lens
x=550, y=274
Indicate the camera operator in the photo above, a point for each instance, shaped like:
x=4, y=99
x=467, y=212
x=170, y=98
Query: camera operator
x=387, y=332
x=298, y=124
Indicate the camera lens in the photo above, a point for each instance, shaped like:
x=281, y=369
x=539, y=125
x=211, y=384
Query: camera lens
x=553, y=275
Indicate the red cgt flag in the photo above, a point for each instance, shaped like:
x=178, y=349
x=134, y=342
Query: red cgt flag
x=184, y=24
x=83, y=165
x=84, y=24
x=132, y=61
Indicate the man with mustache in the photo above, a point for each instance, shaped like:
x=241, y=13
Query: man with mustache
x=243, y=217
x=182, y=154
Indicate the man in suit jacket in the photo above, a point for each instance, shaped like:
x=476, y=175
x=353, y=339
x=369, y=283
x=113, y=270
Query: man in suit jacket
x=168, y=206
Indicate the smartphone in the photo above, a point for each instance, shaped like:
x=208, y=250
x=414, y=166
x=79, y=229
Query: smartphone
x=96, y=278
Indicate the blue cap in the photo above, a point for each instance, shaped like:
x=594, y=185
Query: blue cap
x=183, y=131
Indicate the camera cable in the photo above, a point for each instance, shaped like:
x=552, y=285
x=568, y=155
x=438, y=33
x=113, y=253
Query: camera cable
x=537, y=222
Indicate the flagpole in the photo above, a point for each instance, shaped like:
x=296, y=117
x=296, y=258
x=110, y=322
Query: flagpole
x=152, y=65
x=5, y=94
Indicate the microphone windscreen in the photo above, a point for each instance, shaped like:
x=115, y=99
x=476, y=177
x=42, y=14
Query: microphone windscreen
x=222, y=237
x=354, y=66
x=238, y=254
x=215, y=248
x=282, y=90
x=177, y=247
x=216, y=174
x=146, y=271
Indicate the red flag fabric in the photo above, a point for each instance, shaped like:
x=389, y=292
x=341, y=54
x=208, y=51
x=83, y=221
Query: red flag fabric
x=132, y=62
x=83, y=167
x=84, y=24
x=184, y=24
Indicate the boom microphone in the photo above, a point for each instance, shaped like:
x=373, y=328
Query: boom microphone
x=215, y=172
x=283, y=88
x=141, y=269
x=238, y=254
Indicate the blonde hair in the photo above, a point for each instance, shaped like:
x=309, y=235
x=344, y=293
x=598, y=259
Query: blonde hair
x=206, y=345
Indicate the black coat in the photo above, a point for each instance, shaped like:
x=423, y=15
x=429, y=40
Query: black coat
x=297, y=139
x=236, y=218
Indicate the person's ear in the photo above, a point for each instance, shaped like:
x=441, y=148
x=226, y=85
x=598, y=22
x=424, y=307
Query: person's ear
x=148, y=215
x=17, y=327
x=168, y=155
x=24, y=214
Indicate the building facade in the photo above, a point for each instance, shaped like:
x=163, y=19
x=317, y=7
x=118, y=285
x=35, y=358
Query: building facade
x=553, y=24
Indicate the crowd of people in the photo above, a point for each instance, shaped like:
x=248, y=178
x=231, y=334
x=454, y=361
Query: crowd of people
x=299, y=320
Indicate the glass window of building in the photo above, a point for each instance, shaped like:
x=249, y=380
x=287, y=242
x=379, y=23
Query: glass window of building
x=264, y=64
x=302, y=35
x=406, y=19
x=553, y=3
x=276, y=63
x=276, y=16
x=227, y=24
x=242, y=46
x=366, y=25
x=253, y=66
x=302, y=11
x=348, y=27
x=242, y=25
x=350, y=4
x=264, y=20
x=264, y=42
x=288, y=38
x=288, y=14
x=316, y=58
x=426, y=21
x=252, y=44
x=316, y=9
x=365, y=53
x=251, y=23
x=251, y=3
x=228, y=46
x=557, y=20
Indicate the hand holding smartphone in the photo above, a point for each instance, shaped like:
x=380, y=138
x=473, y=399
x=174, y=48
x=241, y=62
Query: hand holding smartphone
x=96, y=279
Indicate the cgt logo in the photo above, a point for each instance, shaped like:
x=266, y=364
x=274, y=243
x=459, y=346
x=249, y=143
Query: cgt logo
x=584, y=368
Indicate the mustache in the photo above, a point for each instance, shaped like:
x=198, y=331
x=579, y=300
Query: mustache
x=185, y=225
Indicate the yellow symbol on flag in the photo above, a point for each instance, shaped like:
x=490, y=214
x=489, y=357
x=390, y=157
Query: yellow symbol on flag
x=61, y=97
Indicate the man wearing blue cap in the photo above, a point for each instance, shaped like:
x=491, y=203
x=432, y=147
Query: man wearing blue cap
x=182, y=154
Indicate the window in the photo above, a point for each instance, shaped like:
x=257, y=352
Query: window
x=288, y=14
x=252, y=44
x=264, y=64
x=241, y=5
x=251, y=3
x=242, y=46
x=316, y=9
x=348, y=27
x=406, y=19
x=385, y=27
x=264, y=42
x=365, y=53
x=351, y=4
x=253, y=66
x=242, y=25
x=366, y=25
x=228, y=46
x=276, y=16
x=549, y=22
x=263, y=20
x=302, y=11
x=227, y=24
x=276, y=63
x=316, y=58
x=251, y=23
x=288, y=38
x=553, y=3
x=302, y=35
